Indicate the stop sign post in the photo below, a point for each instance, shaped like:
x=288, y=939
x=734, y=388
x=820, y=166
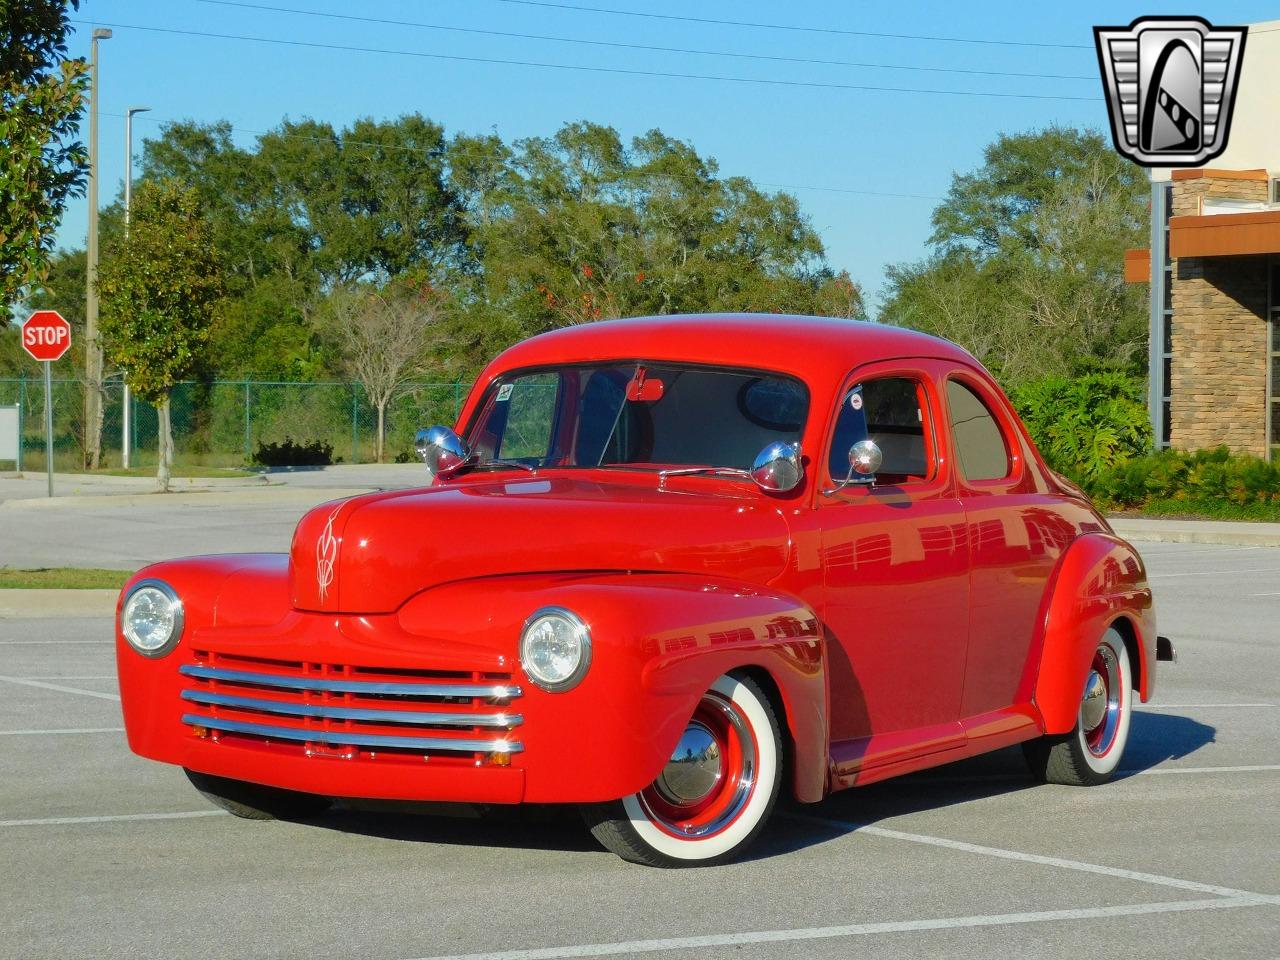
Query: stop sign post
x=46, y=336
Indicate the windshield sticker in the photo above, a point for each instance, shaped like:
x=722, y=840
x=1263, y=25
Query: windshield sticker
x=855, y=401
x=504, y=392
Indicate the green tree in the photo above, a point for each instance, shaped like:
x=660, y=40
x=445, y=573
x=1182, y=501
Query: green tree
x=581, y=226
x=1027, y=262
x=159, y=290
x=41, y=165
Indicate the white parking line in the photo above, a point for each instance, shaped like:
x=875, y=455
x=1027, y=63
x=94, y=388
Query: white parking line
x=1162, y=707
x=849, y=930
x=32, y=733
x=846, y=826
x=1164, y=771
x=61, y=689
x=93, y=676
x=119, y=818
x=1212, y=573
x=42, y=643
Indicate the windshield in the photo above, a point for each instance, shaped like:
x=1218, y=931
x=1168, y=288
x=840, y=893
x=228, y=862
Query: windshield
x=641, y=414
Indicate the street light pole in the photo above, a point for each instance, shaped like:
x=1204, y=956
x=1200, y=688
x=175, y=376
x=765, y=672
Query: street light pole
x=93, y=349
x=126, y=438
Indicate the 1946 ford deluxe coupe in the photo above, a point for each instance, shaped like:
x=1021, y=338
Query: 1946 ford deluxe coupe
x=663, y=569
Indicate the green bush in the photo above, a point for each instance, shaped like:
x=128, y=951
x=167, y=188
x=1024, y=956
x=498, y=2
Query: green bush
x=1086, y=426
x=291, y=454
x=1200, y=477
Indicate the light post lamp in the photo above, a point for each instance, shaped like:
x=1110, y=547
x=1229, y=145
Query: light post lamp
x=126, y=438
x=93, y=349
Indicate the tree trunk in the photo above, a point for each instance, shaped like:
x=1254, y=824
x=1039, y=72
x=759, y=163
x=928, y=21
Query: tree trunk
x=382, y=426
x=165, y=468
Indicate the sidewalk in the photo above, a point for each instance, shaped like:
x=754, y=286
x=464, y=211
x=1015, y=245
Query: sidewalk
x=1233, y=533
x=30, y=489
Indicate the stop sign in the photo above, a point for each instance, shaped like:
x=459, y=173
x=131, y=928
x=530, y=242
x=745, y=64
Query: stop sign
x=45, y=335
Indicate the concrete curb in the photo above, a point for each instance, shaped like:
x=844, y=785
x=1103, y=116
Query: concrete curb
x=273, y=494
x=43, y=604
x=1227, y=533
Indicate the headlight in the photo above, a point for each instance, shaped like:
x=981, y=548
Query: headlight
x=151, y=619
x=555, y=649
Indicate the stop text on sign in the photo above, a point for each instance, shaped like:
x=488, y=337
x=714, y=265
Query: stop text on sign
x=45, y=336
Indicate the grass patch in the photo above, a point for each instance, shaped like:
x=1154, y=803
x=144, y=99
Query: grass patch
x=62, y=578
x=179, y=473
x=1169, y=509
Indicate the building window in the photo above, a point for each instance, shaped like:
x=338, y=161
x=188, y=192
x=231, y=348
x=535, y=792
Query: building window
x=1275, y=190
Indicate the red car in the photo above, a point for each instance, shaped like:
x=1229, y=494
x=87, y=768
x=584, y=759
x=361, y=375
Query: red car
x=664, y=569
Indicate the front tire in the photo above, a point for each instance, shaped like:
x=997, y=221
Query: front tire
x=715, y=794
x=1090, y=754
x=253, y=801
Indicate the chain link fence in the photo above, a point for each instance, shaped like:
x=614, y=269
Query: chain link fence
x=225, y=422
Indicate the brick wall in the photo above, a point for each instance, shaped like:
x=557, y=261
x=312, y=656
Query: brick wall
x=1218, y=372
x=1187, y=194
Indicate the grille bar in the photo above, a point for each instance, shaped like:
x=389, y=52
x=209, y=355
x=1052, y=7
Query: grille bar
x=415, y=717
x=494, y=691
x=420, y=718
x=344, y=738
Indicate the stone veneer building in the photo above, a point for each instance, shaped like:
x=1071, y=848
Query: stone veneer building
x=1214, y=271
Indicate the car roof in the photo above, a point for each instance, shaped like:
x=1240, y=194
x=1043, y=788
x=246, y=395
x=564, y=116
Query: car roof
x=808, y=347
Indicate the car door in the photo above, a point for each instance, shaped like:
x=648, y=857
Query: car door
x=1014, y=539
x=895, y=567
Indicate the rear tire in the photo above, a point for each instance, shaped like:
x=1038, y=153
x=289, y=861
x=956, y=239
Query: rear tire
x=710, y=805
x=1090, y=754
x=253, y=801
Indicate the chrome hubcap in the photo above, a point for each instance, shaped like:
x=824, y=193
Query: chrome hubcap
x=1093, y=709
x=1100, y=705
x=694, y=768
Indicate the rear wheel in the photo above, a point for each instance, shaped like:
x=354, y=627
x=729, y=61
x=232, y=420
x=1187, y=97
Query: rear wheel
x=253, y=801
x=1090, y=754
x=714, y=795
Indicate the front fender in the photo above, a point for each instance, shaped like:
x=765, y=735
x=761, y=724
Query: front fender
x=1100, y=582
x=658, y=643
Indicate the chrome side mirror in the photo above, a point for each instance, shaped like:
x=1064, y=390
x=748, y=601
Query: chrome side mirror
x=865, y=459
x=777, y=467
x=442, y=450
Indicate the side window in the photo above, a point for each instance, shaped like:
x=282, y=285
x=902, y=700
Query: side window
x=530, y=406
x=979, y=443
x=891, y=412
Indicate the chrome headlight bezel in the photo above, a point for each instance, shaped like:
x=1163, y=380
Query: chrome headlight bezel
x=175, y=605
x=581, y=632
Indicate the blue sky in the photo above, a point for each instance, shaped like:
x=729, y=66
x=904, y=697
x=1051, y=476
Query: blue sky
x=885, y=142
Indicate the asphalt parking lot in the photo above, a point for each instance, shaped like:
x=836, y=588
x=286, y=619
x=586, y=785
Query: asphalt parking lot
x=106, y=855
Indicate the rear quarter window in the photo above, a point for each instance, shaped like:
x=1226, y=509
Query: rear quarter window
x=980, y=444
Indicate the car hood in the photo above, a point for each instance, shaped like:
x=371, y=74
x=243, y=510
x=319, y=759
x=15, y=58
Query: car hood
x=370, y=554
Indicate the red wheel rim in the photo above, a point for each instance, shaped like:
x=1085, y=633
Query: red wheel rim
x=735, y=742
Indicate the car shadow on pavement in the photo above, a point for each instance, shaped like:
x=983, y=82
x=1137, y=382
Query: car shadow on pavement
x=1154, y=738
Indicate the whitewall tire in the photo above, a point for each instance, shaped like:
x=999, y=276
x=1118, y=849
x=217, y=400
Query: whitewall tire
x=1090, y=754
x=715, y=794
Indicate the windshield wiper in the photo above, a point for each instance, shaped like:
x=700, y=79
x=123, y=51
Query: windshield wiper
x=507, y=463
x=708, y=471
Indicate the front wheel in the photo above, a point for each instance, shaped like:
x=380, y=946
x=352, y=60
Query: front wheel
x=1090, y=754
x=714, y=795
x=253, y=801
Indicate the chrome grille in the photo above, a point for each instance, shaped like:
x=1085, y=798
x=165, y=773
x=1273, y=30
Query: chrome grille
x=352, y=712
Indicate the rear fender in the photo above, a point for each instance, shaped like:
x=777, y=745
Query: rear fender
x=658, y=644
x=1100, y=582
